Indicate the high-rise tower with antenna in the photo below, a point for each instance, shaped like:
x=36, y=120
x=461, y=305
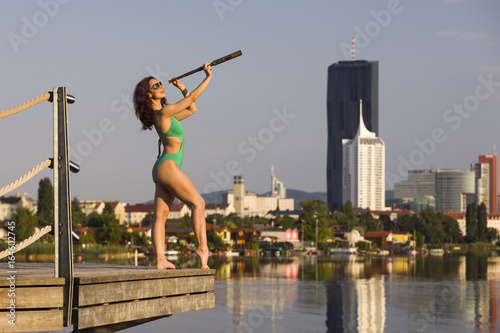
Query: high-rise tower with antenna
x=348, y=82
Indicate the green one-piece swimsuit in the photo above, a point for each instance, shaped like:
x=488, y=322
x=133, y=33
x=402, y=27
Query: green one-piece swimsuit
x=177, y=131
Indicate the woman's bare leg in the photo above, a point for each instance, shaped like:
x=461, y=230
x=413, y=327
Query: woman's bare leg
x=163, y=201
x=200, y=231
x=175, y=181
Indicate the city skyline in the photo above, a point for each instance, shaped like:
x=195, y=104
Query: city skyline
x=439, y=81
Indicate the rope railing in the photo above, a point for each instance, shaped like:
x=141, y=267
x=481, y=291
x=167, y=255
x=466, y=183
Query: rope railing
x=28, y=241
x=24, y=106
x=6, y=189
x=26, y=177
x=63, y=242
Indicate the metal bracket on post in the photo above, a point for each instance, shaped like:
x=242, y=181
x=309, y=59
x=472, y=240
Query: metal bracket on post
x=62, y=200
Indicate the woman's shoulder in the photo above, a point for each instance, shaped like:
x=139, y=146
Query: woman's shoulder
x=161, y=122
x=160, y=115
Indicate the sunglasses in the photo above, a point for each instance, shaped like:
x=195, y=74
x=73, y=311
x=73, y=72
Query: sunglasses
x=156, y=86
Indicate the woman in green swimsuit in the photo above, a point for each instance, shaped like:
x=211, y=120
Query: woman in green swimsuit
x=153, y=111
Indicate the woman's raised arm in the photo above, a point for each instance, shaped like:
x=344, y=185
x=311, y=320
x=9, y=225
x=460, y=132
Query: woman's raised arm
x=176, y=108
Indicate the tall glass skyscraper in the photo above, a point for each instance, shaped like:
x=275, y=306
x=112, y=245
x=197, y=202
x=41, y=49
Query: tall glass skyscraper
x=348, y=82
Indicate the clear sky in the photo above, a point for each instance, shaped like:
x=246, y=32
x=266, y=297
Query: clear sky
x=439, y=84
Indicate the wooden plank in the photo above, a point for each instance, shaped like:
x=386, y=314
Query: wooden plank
x=32, y=282
x=30, y=274
x=33, y=321
x=32, y=297
x=131, y=290
x=121, y=312
x=27, y=269
x=99, y=273
x=91, y=273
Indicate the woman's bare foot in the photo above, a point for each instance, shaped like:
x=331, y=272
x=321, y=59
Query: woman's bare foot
x=203, y=255
x=164, y=264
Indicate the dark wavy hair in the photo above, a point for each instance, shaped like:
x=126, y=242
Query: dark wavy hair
x=142, y=103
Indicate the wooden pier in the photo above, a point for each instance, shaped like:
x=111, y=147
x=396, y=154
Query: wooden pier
x=105, y=297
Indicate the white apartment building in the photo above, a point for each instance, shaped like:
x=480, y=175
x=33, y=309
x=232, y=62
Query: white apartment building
x=363, y=169
x=97, y=206
x=8, y=205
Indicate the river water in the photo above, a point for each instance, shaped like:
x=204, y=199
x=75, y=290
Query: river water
x=310, y=294
x=347, y=294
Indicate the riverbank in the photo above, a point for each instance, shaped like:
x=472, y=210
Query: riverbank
x=44, y=252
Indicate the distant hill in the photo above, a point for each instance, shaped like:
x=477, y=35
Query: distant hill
x=297, y=195
x=213, y=197
x=302, y=196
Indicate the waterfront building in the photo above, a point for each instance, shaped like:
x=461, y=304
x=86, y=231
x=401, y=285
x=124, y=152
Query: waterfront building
x=348, y=82
x=280, y=235
x=241, y=236
x=8, y=205
x=363, y=167
x=223, y=232
x=493, y=221
x=249, y=204
x=379, y=237
x=87, y=235
x=452, y=187
x=134, y=214
x=348, y=237
x=491, y=159
x=401, y=237
x=97, y=206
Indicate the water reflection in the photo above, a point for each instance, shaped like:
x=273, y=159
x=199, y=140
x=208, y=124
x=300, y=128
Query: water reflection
x=308, y=268
x=347, y=294
x=343, y=294
x=356, y=305
x=365, y=294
